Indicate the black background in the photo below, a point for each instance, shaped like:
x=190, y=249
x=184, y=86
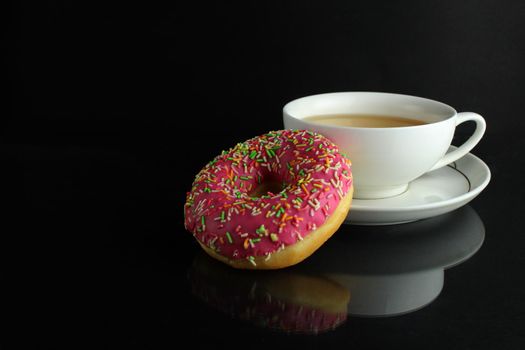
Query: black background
x=114, y=107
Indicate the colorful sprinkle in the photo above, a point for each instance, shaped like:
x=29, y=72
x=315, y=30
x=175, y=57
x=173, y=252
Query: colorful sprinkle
x=261, y=230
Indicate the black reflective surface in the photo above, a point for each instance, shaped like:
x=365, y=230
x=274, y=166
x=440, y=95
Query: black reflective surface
x=115, y=107
x=362, y=271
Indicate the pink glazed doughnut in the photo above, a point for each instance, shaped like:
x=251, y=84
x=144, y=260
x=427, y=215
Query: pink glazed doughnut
x=271, y=201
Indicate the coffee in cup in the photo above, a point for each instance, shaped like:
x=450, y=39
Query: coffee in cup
x=363, y=120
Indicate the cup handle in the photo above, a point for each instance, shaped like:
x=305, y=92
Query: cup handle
x=469, y=144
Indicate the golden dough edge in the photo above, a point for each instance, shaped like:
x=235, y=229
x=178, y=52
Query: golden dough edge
x=296, y=253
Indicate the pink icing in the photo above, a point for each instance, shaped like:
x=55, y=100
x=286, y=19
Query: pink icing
x=221, y=214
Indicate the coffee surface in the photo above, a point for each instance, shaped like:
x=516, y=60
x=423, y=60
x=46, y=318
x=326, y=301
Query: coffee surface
x=363, y=120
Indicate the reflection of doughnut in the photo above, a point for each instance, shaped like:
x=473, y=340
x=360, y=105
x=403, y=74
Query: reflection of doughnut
x=271, y=201
x=283, y=300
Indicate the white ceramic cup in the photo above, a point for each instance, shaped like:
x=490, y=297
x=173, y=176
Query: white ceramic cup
x=386, y=160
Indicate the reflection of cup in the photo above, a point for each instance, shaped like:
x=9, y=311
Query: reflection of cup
x=283, y=300
x=390, y=295
x=392, y=270
x=386, y=159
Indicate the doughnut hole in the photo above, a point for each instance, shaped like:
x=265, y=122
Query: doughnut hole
x=270, y=185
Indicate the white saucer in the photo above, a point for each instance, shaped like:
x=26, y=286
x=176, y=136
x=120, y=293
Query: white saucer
x=435, y=193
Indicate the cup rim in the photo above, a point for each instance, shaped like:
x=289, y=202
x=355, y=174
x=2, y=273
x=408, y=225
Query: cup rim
x=453, y=112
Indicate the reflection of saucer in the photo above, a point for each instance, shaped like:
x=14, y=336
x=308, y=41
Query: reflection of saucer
x=393, y=270
x=435, y=193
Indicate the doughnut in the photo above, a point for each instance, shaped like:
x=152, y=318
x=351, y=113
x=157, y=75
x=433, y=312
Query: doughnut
x=285, y=300
x=270, y=201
